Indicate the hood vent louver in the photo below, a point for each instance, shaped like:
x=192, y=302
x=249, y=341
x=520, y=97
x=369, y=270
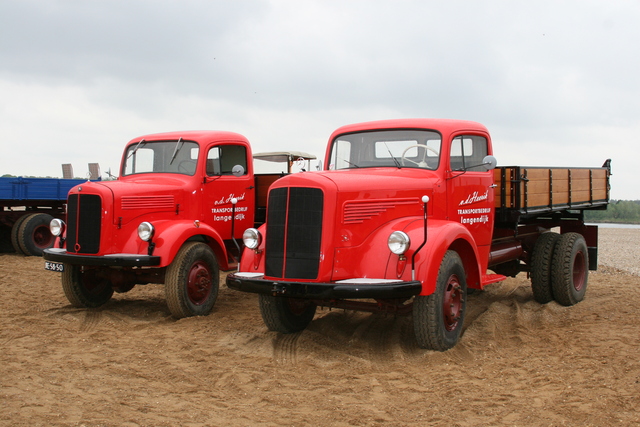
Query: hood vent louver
x=357, y=212
x=147, y=202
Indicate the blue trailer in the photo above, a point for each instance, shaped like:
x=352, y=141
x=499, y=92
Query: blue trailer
x=27, y=206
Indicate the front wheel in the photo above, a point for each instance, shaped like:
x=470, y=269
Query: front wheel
x=84, y=288
x=438, y=318
x=286, y=315
x=192, y=281
x=570, y=269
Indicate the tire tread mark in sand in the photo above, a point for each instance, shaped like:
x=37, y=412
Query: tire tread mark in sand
x=374, y=333
x=285, y=348
x=91, y=320
x=66, y=316
x=12, y=337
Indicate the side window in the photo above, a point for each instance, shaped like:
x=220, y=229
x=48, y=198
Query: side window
x=222, y=159
x=467, y=153
x=341, y=155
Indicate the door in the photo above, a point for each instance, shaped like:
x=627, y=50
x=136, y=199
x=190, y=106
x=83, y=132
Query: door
x=228, y=177
x=470, y=188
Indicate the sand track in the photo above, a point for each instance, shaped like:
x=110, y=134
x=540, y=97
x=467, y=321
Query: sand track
x=129, y=363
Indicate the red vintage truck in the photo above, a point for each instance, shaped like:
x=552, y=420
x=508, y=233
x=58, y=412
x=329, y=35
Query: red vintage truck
x=174, y=216
x=408, y=217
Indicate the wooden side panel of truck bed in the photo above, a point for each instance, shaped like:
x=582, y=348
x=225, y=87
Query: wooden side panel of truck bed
x=532, y=190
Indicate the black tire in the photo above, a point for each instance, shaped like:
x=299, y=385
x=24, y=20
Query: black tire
x=570, y=269
x=15, y=229
x=84, y=288
x=192, y=281
x=34, y=235
x=541, y=260
x=437, y=327
x=286, y=315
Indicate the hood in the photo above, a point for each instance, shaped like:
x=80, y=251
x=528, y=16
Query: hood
x=368, y=182
x=359, y=201
x=129, y=198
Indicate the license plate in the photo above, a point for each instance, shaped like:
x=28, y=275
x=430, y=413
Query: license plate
x=53, y=266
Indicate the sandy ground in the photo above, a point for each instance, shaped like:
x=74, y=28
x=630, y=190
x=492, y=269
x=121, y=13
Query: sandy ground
x=130, y=364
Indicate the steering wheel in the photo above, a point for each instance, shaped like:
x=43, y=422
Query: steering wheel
x=187, y=166
x=423, y=163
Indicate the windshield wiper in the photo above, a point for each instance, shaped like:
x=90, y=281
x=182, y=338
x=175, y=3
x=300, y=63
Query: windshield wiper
x=392, y=156
x=138, y=145
x=175, y=150
x=352, y=164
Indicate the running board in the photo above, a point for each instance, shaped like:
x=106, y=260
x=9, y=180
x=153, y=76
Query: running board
x=488, y=279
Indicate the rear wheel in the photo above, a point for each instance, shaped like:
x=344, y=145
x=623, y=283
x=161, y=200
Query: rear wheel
x=15, y=229
x=192, y=281
x=438, y=318
x=34, y=235
x=84, y=288
x=541, y=260
x=286, y=315
x=570, y=269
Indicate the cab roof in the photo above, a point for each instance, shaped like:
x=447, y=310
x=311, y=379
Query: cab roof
x=444, y=126
x=201, y=136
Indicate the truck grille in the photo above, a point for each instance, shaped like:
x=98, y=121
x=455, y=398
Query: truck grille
x=294, y=232
x=83, y=229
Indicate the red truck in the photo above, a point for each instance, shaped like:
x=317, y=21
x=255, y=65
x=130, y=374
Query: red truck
x=174, y=216
x=408, y=217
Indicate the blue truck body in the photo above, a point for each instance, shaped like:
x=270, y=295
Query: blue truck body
x=27, y=205
x=16, y=191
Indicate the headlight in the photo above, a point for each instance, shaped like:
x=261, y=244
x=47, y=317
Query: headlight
x=57, y=227
x=145, y=231
x=398, y=242
x=251, y=238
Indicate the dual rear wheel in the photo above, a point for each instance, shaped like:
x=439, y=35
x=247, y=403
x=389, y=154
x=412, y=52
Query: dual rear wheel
x=560, y=268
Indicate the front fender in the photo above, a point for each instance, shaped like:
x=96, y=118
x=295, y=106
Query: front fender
x=253, y=259
x=169, y=237
x=441, y=236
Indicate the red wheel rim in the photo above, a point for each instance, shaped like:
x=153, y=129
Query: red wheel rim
x=297, y=305
x=452, y=303
x=42, y=237
x=199, y=283
x=579, y=265
x=93, y=284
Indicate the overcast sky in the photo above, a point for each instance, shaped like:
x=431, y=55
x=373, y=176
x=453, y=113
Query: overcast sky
x=556, y=82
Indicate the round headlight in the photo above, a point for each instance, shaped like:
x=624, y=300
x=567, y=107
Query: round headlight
x=251, y=238
x=398, y=242
x=145, y=231
x=56, y=226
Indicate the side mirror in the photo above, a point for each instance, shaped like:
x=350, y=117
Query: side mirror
x=490, y=162
x=237, y=170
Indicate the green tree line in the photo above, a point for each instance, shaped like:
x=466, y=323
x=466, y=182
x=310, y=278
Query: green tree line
x=621, y=211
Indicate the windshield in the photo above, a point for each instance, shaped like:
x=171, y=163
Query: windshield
x=161, y=156
x=387, y=148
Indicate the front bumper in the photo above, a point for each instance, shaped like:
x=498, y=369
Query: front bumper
x=111, y=260
x=343, y=289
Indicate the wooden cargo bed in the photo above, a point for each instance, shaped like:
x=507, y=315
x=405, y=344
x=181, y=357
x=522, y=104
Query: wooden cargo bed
x=531, y=191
